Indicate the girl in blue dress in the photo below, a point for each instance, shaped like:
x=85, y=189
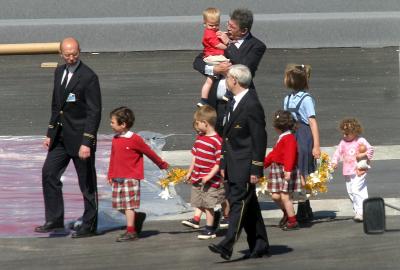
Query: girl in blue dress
x=302, y=106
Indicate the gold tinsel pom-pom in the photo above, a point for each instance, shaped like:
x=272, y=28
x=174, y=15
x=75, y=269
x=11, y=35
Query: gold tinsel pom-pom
x=318, y=181
x=262, y=186
x=174, y=176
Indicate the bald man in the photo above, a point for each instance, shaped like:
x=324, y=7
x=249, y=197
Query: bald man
x=71, y=135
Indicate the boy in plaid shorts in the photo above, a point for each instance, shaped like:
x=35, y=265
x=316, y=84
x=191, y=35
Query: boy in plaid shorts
x=207, y=186
x=284, y=177
x=126, y=170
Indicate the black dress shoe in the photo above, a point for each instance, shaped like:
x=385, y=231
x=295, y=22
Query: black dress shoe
x=83, y=233
x=258, y=254
x=49, y=227
x=225, y=254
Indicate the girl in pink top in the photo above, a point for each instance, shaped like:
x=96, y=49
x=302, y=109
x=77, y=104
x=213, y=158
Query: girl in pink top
x=351, y=150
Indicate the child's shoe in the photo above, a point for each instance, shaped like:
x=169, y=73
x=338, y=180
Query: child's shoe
x=202, y=102
x=207, y=234
x=283, y=221
x=127, y=236
x=358, y=218
x=191, y=223
x=291, y=226
x=139, y=220
x=224, y=223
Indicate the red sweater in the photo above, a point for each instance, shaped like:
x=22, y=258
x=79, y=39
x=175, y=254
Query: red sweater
x=126, y=160
x=284, y=153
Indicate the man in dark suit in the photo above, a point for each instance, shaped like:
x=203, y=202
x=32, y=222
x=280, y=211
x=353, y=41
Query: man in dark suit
x=243, y=48
x=72, y=131
x=243, y=151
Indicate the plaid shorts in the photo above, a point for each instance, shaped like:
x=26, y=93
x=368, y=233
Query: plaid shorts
x=126, y=195
x=277, y=183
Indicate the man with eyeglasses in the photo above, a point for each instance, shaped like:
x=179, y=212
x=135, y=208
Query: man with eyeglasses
x=71, y=135
x=243, y=49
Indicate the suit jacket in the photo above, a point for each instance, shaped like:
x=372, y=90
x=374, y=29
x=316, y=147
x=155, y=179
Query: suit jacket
x=244, y=140
x=249, y=54
x=78, y=120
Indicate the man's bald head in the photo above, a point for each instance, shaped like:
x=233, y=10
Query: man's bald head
x=69, y=50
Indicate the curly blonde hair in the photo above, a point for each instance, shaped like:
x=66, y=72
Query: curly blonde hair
x=351, y=126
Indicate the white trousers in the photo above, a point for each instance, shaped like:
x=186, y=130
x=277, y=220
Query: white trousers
x=357, y=190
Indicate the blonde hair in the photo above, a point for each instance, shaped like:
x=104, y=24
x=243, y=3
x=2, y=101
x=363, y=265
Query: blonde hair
x=297, y=76
x=211, y=13
x=205, y=113
x=351, y=126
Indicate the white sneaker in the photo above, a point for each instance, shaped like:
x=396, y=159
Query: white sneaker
x=207, y=234
x=358, y=218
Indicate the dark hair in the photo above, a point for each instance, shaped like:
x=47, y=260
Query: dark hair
x=123, y=115
x=351, y=126
x=297, y=76
x=283, y=120
x=243, y=17
x=205, y=113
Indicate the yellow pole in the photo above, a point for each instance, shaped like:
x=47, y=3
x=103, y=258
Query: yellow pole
x=30, y=48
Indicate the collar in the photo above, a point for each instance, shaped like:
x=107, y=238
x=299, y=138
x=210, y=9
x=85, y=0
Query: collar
x=73, y=68
x=283, y=135
x=128, y=134
x=239, y=42
x=298, y=93
x=239, y=96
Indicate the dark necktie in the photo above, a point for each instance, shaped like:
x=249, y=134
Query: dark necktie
x=231, y=104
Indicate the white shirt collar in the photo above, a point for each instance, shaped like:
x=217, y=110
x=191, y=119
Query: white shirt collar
x=283, y=135
x=128, y=134
x=239, y=97
x=239, y=42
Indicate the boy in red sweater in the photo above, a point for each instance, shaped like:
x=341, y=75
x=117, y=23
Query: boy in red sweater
x=284, y=178
x=126, y=170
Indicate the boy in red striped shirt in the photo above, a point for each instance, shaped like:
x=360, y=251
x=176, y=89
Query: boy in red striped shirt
x=207, y=186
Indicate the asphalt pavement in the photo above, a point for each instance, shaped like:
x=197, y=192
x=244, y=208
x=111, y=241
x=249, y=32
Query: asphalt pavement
x=162, y=89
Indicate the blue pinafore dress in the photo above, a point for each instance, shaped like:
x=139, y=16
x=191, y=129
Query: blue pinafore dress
x=305, y=142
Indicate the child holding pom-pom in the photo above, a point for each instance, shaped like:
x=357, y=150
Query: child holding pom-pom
x=284, y=176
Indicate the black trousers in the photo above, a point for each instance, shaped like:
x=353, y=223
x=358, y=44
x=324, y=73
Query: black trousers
x=245, y=213
x=54, y=166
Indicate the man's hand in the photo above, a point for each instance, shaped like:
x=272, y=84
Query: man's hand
x=254, y=179
x=84, y=152
x=222, y=68
x=46, y=143
x=222, y=172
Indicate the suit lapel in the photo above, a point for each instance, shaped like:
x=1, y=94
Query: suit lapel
x=59, y=91
x=246, y=43
x=236, y=112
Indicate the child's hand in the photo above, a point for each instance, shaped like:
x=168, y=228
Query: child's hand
x=316, y=152
x=109, y=180
x=205, y=179
x=360, y=156
x=287, y=176
x=334, y=165
x=187, y=178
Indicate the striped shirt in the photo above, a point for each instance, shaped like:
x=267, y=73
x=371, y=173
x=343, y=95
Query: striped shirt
x=207, y=153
